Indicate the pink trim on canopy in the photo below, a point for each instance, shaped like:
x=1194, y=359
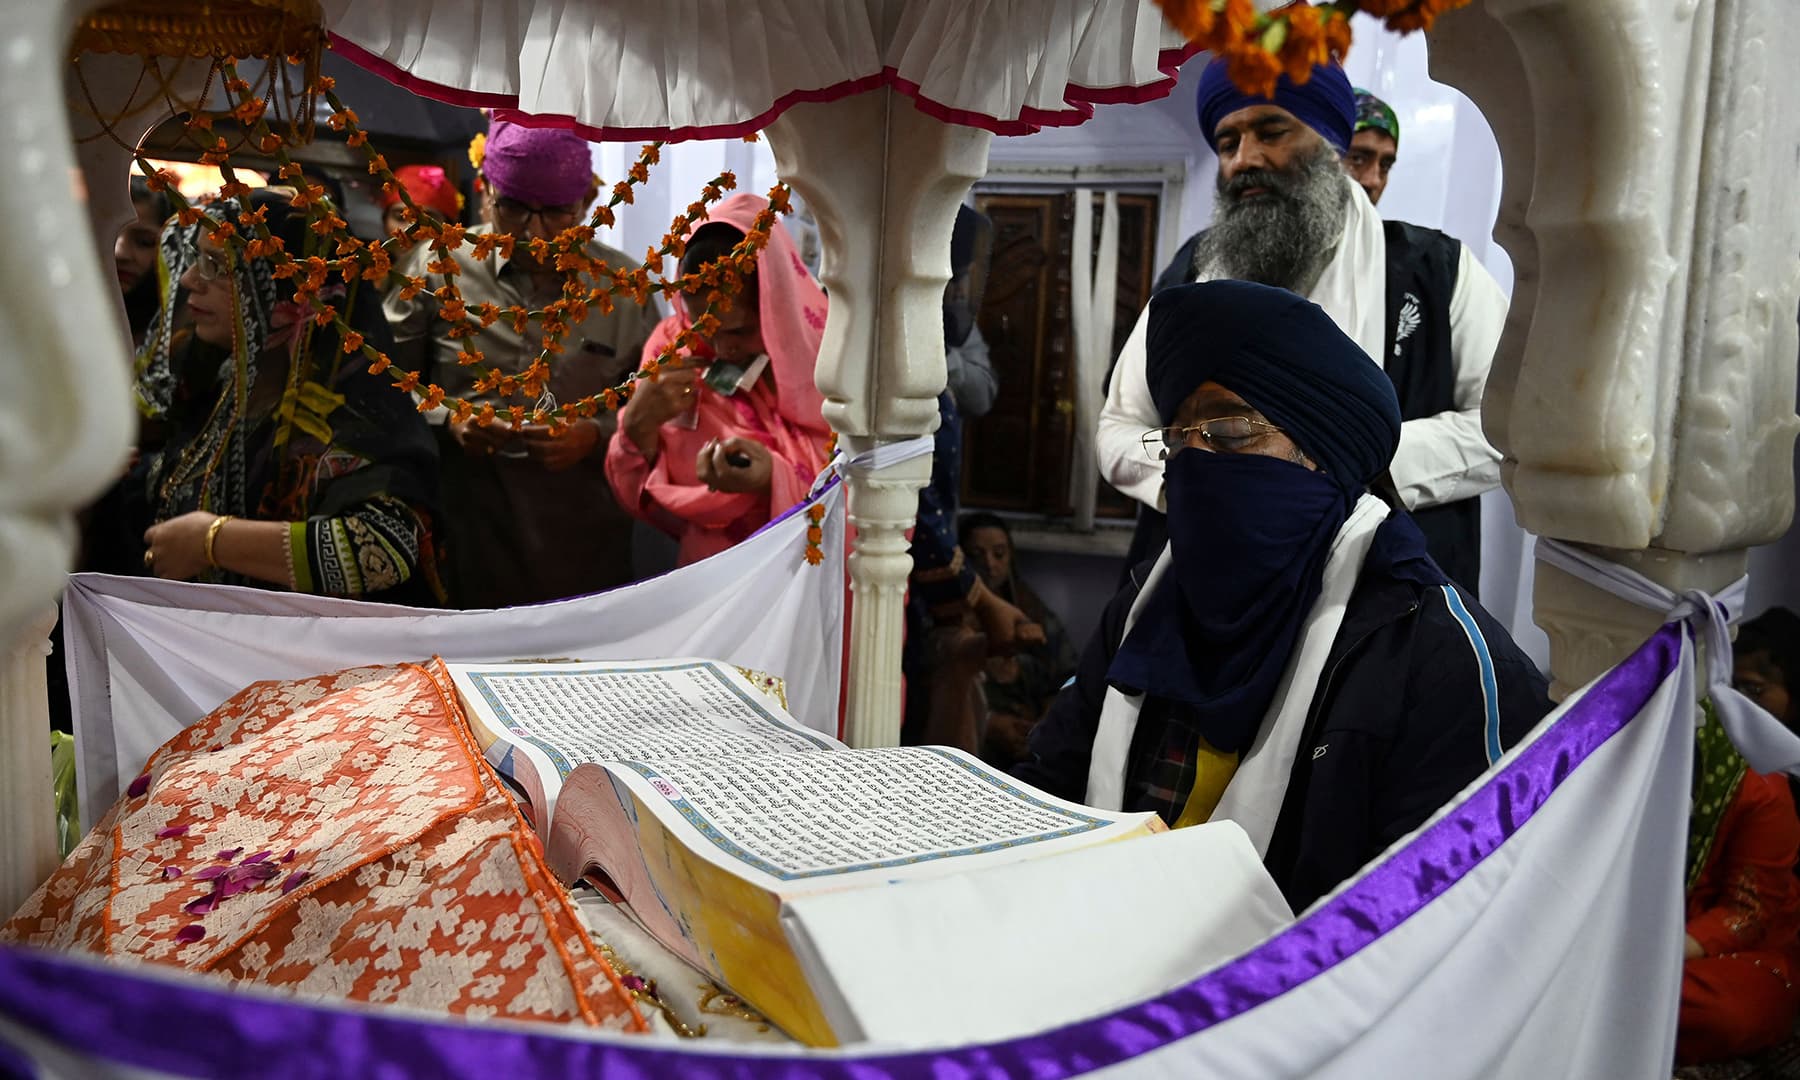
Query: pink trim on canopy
x=1081, y=99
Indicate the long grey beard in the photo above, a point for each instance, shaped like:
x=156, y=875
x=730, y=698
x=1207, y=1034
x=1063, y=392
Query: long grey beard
x=1285, y=239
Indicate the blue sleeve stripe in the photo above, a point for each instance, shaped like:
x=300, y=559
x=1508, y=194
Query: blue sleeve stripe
x=1490, y=687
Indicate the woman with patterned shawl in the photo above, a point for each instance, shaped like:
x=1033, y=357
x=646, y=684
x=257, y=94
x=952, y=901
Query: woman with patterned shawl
x=709, y=460
x=1738, y=982
x=284, y=463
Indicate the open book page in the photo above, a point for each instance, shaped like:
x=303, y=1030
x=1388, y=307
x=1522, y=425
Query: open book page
x=538, y=721
x=1010, y=950
x=827, y=820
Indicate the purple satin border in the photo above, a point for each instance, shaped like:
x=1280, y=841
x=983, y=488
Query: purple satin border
x=196, y=1030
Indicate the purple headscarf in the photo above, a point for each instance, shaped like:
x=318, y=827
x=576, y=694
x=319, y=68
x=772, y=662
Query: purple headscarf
x=539, y=166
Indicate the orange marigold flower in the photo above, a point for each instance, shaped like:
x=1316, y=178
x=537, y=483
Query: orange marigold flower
x=611, y=399
x=188, y=215
x=453, y=311
x=224, y=231
x=200, y=122
x=234, y=189
x=470, y=357
x=1240, y=18
x=249, y=111
x=413, y=287
x=461, y=411
x=487, y=313
x=381, y=364
x=814, y=556
x=604, y=216
x=237, y=85
x=431, y=398
x=753, y=137
x=517, y=412
x=1337, y=33
x=325, y=315
x=359, y=137
x=377, y=164
x=639, y=172
x=352, y=341
x=778, y=199
x=324, y=84
x=520, y=318
x=445, y=265
x=1306, y=45
x=408, y=382
x=269, y=143
x=485, y=416
x=160, y=180
x=1253, y=69
x=814, y=534
x=651, y=153
x=621, y=192
x=340, y=120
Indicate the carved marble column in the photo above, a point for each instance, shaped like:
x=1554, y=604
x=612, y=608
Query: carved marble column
x=884, y=181
x=28, y=853
x=1644, y=393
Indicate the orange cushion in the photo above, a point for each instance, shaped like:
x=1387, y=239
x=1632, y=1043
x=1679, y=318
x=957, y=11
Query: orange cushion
x=338, y=837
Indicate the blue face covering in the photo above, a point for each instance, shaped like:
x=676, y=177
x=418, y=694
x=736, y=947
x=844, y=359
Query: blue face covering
x=1249, y=536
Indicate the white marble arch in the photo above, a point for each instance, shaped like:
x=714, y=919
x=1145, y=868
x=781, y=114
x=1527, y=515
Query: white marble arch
x=1643, y=395
x=1644, y=390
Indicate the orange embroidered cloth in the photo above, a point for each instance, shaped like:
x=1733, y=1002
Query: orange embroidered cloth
x=338, y=837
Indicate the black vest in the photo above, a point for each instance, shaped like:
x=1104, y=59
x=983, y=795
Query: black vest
x=1421, y=277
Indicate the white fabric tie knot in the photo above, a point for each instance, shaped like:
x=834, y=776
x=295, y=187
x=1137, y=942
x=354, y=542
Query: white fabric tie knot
x=1765, y=743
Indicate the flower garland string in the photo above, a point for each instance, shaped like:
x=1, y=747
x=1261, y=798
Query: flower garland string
x=1259, y=47
x=590, y=283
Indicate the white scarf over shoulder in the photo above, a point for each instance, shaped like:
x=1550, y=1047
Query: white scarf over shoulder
x=1254, y=796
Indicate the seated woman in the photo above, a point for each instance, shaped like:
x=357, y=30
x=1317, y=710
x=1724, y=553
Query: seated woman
x=1766, y=664
x=709, y=460
x=1738, y=993
x=284, y=464
x=1018, y=688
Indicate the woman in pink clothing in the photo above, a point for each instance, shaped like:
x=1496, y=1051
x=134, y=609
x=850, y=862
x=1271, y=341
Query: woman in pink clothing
x=714, y=449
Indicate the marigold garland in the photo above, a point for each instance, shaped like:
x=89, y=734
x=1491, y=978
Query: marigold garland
x=815, y=534
x=1260, y=47
x=590, y=284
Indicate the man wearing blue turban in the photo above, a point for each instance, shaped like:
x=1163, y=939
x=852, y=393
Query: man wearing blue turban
x=1288, y=215
x=1293, y=661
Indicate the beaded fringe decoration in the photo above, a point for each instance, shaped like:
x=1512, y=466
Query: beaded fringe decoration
x=204, y=28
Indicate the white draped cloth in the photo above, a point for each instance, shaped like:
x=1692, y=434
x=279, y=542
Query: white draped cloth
x=698, y=69
x=147, y=657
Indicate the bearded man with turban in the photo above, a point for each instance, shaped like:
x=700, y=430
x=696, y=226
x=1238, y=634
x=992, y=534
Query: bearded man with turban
x=1293, y=660
x=531, y=516
x=1416, y=300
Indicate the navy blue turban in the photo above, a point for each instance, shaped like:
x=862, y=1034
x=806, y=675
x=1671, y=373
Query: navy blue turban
x=1284, y=356
x=1325, y=102
x=1250, y=535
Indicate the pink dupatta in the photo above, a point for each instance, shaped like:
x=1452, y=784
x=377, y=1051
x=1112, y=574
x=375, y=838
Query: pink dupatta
x=783, y=411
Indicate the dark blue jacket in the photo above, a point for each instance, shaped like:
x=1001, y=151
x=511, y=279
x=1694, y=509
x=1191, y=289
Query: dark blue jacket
x=1399, y=724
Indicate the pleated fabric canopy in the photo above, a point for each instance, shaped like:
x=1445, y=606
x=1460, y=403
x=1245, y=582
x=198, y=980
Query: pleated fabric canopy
x=708, y=69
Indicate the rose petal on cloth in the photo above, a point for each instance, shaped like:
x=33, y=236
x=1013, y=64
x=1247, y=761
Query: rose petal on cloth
x=172, y=830
x=190, y=933
x=294, y=881
x=207, y=873
x=200, y=905
x=171, y=872
x=258, y=857
x=139, y=786
x=289, y=857
x=229, y=854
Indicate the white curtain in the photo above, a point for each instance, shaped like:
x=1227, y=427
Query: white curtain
x=148, y=657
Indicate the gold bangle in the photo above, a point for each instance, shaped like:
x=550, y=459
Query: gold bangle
x=212, y=534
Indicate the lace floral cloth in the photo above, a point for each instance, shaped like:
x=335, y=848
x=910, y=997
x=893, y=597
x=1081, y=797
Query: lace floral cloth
x=336, y=837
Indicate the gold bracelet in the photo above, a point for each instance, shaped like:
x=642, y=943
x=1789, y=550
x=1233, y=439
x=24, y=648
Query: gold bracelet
x=212, y=534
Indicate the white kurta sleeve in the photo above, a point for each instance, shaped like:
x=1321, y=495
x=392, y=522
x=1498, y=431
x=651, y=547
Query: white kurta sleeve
x=1128, y=413
x=1445, y=458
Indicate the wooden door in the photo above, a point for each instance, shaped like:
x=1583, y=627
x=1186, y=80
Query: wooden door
x=1018, y=456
